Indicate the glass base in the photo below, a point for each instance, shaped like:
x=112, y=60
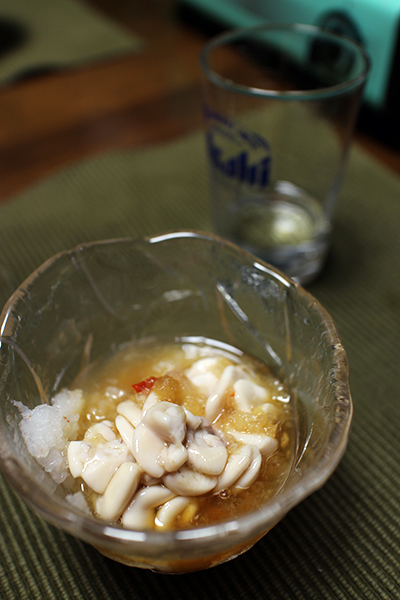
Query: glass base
x=286, y=228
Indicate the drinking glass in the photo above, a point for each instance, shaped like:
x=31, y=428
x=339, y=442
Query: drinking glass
x=280, y=105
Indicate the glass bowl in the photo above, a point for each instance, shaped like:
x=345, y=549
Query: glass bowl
x=83, y=304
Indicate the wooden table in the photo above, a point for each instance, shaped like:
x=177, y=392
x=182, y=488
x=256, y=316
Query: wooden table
x=52, y=120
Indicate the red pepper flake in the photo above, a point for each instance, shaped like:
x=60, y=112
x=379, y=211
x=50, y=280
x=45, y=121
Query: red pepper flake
x=145, y=385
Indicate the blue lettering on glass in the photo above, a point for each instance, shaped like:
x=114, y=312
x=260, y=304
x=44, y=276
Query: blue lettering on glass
x=239, y=166
x=249, y=159
x=232, y=130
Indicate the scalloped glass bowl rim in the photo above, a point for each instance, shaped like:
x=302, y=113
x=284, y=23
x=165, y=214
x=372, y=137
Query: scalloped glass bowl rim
x=65, y=516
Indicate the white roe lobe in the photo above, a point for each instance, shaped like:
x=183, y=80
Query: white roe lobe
x=97, y=463
x=216, y=399
x=252, y=471
x=147, y=448
x=248, y=394
x=207, y=452
x=119, y=491
x=202, y=374
x=125, y=429
x=187, y=482
x=170, y=510
x=263, y=442
x=167, y=420
x=236, y=466
x=130, y=411
x=140, y=513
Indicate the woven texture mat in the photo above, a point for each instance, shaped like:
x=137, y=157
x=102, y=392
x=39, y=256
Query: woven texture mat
x=343, y=541
x=41, y=35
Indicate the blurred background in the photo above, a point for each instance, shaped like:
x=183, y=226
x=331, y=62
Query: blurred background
x=61, y=104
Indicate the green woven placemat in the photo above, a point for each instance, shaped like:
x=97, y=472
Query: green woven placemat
x=38, y=35
x=343, y=541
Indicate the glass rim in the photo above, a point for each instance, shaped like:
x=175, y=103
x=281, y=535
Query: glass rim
x=307, y=31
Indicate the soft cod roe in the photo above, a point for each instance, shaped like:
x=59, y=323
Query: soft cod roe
x=167, y=436
x=181, y=435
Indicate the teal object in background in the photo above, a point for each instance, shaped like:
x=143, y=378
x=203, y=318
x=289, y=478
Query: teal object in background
x=373, y=23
